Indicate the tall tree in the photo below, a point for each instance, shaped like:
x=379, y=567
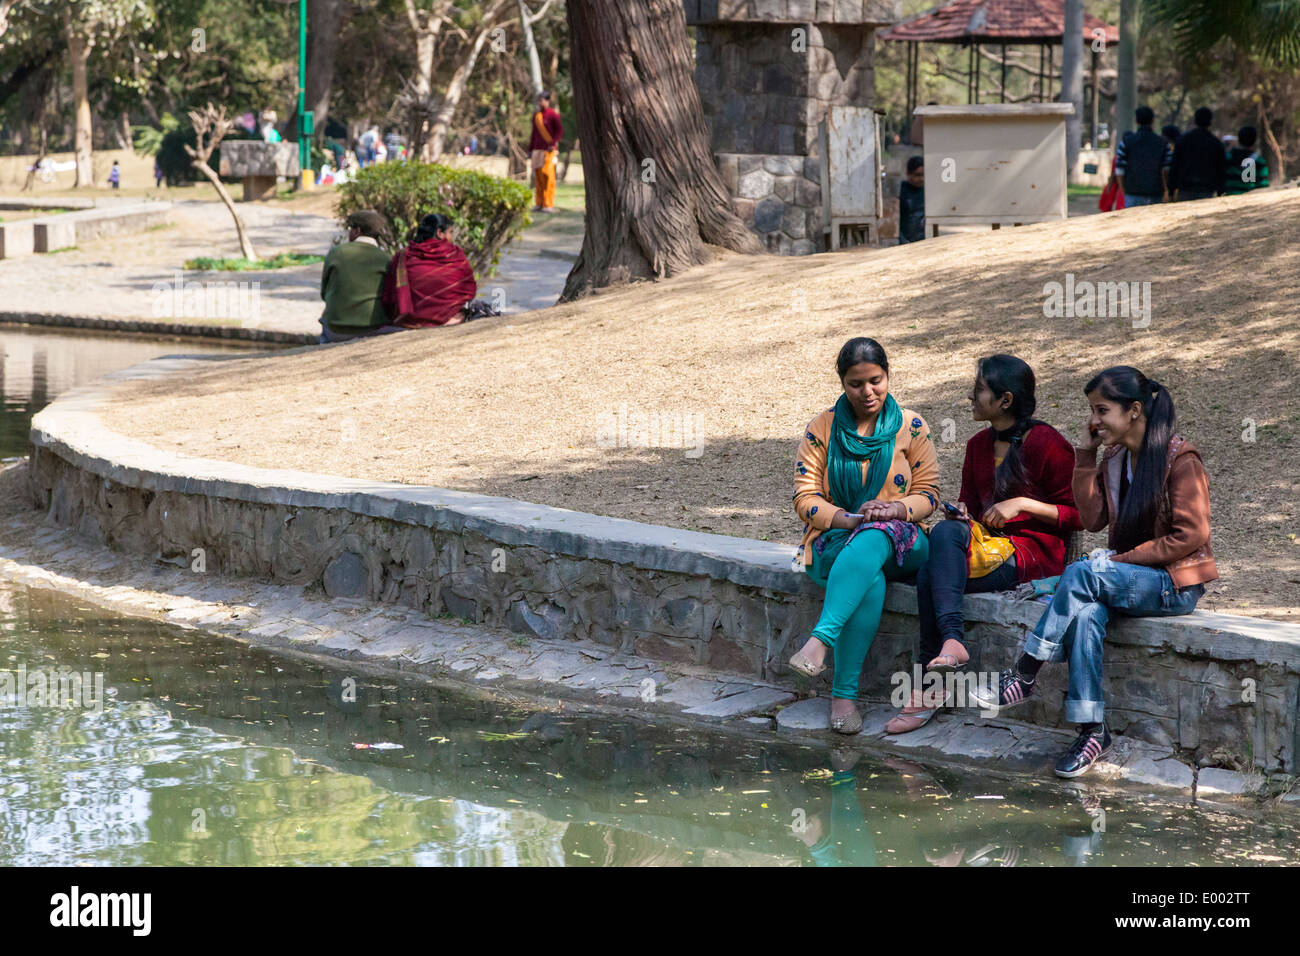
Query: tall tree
x=1072, y=80
x=324, y=19
x=526, y=20
x=655, y=199
x=432, y=112
x=1126, y=88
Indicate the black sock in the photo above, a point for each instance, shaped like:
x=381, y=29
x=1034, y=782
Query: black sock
x=1095, y=730
x=1027, y=668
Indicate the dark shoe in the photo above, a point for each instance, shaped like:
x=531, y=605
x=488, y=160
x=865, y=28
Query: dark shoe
x=1087, y=749
x=1012, y=691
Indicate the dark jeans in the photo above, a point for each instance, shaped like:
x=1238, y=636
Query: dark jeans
x=1189, y=195
x=943, y=580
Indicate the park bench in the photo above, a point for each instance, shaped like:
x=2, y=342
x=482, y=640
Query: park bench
x=68, y=229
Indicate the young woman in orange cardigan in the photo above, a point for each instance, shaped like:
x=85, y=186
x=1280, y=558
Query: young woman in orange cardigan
x=1151, y=491
x=867, y=472
x=1015, y=480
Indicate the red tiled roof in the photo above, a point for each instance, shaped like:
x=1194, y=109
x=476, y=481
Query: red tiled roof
x=994, y=21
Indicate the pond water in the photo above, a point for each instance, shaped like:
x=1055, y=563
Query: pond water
x=204, y=751
x=178, y=748
x=37, y=366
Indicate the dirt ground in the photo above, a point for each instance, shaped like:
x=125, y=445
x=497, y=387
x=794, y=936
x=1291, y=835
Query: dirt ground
x=719, y=370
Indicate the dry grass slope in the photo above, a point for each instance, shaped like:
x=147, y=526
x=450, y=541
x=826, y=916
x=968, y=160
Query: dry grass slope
x=514, y=406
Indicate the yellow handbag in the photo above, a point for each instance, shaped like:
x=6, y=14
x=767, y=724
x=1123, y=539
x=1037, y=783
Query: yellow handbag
x=988, y=551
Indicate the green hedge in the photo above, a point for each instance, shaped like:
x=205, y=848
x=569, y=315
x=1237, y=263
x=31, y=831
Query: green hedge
x=489, y=212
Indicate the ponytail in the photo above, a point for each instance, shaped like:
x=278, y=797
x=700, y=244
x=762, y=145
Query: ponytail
x=1136, y=520
x=1002, y=374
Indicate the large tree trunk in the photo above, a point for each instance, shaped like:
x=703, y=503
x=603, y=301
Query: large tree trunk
x=323, y=20
x=1072, y=81
x=83, y=133
x=655, y=199
x=1126, y=92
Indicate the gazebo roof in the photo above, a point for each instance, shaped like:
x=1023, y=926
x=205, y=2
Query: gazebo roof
x=995, y=21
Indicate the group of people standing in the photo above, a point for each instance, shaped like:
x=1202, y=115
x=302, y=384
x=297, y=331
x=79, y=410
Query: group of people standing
x=367, y=292
x=1153, y=167
x=867, y=474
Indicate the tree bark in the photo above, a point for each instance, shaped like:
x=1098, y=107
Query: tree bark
x=83, y=131
x=655, y=200
x=1126, y=91
x=323, y=21
x=530, y=45
x=1072, y=81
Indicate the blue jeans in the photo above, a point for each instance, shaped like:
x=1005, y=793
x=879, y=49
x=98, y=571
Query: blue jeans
x=1131, y=201
x=1074, y=625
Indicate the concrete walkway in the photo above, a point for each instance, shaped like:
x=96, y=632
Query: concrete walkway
x=138, y=284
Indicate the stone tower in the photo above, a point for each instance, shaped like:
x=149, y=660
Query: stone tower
x=768, y=70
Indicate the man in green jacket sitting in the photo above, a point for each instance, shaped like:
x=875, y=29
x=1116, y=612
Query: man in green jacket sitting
x=352, y=279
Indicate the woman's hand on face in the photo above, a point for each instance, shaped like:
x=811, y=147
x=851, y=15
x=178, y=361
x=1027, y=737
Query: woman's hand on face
x=885, y=511
x=1002, y=512
x=1091, y=440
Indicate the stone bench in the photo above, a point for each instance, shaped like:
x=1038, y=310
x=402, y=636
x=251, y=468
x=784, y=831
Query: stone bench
x=17, y=239
x=259, y=164
x=1219, y=689
x=69, y=229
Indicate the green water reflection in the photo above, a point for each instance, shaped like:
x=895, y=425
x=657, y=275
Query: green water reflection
x=207, y=752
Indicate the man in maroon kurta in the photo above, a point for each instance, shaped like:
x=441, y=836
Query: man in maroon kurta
x=544, y=146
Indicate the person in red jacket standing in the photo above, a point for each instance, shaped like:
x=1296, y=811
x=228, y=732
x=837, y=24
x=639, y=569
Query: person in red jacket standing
x=1016, y=481
x=544, y=146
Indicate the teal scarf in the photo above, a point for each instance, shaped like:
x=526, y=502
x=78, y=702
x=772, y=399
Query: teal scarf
x=845, y=452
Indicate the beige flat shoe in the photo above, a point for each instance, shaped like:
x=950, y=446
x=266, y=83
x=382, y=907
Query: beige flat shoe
x=807, y=668
x=848, y=724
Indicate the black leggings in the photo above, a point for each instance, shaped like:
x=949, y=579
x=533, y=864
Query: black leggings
x=943, y=580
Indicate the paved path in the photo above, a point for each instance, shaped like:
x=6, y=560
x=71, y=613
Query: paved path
x=140, y=277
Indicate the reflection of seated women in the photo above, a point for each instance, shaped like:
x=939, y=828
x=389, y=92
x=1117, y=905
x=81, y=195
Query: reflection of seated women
x=430, y=281
x=848, y=840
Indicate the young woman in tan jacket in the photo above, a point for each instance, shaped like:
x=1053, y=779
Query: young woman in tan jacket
x=1151, y=491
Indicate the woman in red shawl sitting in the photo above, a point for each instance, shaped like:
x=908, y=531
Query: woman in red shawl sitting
x=430, y=281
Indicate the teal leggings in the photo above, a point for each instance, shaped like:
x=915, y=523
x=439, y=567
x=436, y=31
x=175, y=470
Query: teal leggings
x=855, y=599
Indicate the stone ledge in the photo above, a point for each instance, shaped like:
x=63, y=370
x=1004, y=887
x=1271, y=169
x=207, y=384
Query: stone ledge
x=726, y=603
x=70, y=428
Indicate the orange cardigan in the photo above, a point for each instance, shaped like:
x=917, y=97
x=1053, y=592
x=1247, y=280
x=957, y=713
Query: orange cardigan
x=913, y=475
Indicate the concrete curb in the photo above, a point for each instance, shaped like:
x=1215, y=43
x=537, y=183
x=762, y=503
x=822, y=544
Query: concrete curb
x=152, y=327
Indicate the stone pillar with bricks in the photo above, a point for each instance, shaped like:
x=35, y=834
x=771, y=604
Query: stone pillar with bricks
x=768, y=70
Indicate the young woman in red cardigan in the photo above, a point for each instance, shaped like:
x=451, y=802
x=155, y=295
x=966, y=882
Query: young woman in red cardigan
x=1016, y=479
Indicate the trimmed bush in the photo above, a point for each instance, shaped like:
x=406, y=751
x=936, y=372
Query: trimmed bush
x=488, y=212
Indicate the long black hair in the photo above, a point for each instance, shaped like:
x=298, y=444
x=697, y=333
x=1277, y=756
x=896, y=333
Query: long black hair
x=858, y=350
x=1002, y=374
x=431, y=225
x=1125, y=385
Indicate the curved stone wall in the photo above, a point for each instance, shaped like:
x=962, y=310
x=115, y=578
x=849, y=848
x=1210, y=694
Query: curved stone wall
x=1219, y=689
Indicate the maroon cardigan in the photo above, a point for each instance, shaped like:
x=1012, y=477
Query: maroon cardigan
x=1049, y=465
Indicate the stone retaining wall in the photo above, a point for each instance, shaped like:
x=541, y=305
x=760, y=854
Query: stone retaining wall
x=1220, y=689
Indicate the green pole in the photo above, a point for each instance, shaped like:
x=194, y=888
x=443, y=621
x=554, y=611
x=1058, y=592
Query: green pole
x=304, y=151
